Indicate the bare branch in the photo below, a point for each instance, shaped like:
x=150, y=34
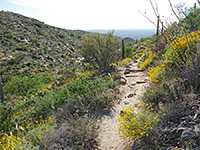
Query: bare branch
x=198, y=1
x=173, y=10
x=157, y=8
x=153, y=8
x=148, y=18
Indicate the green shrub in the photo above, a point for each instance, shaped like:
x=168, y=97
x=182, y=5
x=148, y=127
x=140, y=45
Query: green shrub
x=100, y=50
x=191, y=21
x=9, y=35
x=157, y=93
x=90, y=92
x=24, y=85
x=129, y=51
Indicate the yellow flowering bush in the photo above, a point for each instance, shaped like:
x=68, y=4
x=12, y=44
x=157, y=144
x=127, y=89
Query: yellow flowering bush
x=44, y=87
x=135, y=124
x=144, y=64
x=155, y=74
x=180, y=50
x=28, y=134
x=121, y=62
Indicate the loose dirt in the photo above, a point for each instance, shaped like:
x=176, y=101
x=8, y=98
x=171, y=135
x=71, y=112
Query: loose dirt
x=129, y=96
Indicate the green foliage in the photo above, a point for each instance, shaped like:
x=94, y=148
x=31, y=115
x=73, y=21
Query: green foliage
x=84, y=95
x=90, y=92
x=129, y=51
x=35, y=40
x=99, y=50
x=24, y=85
x=158, y=93
x=9, y=35
x=191, y=21
x=40, y=32
x=22, y=47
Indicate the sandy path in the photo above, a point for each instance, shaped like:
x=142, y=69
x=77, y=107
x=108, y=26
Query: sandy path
x=109, y=138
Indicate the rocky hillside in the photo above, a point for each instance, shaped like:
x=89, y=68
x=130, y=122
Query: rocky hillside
x=28, y=45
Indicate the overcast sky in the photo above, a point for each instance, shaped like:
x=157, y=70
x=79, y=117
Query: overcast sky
x=92, y=14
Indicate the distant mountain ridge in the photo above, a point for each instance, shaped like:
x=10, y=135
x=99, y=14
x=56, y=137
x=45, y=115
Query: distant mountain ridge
x=135, y=34
x=28, y=43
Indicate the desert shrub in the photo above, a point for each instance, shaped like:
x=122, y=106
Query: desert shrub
x=24, y=85
x=28, y=135
x=74, y=134
x=100, y=50
x=155, y=74
x=17, y=58
x=191, y=21
x=189, y=77
x=129, y=51
x=181, y=49
x=153, y=94
x=160, y=93
x=82, y=95
x=135, y=124
x=9, y=35
x=178, y=53
x=150, y=56
x=90, y=92
x=121, y=63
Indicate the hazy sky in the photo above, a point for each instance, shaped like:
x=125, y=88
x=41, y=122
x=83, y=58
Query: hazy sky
x=92, y=14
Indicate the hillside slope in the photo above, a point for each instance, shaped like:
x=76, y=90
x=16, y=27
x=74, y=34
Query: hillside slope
x=28, y=44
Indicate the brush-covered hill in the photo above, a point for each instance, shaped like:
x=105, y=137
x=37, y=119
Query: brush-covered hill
x=29, y=45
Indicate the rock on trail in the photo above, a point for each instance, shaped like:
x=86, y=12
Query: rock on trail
x=129, y=96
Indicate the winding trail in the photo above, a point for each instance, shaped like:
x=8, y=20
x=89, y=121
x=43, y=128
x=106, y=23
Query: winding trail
x=129, y=96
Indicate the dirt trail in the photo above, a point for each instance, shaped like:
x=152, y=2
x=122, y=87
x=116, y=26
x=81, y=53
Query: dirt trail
x=109, y=138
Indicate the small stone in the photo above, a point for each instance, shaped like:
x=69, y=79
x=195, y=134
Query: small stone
x=195, y=116
x=187, y=118
x=60, y=109
x=146, y=79
x=118, y=101
x=197, y=128
x=197, y=121
x=106, y=109
x=166, y=129
x=126, y=102
x=128, y=65
x=122, y=80
x=135, y=61
x=133, y=84
x=140, y=82
x=127, y=71
x=131, y=95
x=192, y=123
x=130, y=86
x=110, y=91
x=186, y=135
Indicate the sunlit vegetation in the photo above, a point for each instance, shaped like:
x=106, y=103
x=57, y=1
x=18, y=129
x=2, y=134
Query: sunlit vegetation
x=171, y=61
x=53, y=105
